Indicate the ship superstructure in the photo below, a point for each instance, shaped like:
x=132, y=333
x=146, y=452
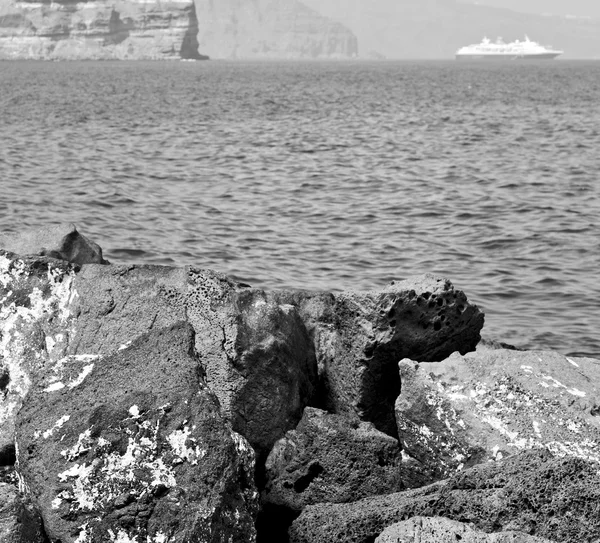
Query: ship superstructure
x=498, y=50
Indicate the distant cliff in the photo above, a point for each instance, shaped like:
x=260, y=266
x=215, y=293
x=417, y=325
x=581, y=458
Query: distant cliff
x=172, y=29
x=270, y=29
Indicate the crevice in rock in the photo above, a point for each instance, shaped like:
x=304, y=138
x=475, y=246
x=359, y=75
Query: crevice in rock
x=8, y=456
x=273, y=523
x=4, y=376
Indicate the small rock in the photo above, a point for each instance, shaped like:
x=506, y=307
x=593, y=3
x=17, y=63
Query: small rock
x=63, y=242
x=331, y=458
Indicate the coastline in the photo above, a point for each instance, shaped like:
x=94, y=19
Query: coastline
x=160, y=404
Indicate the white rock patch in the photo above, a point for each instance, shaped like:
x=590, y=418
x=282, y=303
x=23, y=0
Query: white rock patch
x=58, y=424
x=85, y=372
x=186, y=447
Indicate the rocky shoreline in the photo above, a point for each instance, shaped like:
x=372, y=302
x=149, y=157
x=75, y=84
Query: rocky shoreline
x=155, y=404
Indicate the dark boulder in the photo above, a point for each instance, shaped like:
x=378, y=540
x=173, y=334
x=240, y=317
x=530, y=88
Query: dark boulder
x=532, y=492
x=259, y=359
x=133, y=446
x=361, y=336
x=331, y=458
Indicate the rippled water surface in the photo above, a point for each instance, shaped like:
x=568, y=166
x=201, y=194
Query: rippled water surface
x=327, y=176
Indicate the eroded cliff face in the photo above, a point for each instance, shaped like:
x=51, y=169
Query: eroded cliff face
x=132, y=29
x=172, y=29
x=270, y=29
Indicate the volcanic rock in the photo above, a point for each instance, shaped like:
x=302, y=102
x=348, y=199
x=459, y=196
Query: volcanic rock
x=257, y=355
x=113, y=305
x=443, y=530
x=493, y=403
x=361, y=336
x=331, y=458
x=19, y=522
x=133, y=446
x=531, y=492
x=62, y=241
x=34, y=324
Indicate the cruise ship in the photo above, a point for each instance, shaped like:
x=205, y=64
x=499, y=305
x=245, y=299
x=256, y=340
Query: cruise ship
x=486, y=50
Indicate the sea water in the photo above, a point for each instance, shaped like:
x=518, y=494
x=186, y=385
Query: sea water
x=327, y=176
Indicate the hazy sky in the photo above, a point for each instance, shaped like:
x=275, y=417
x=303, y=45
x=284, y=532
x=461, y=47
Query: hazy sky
x=559, y=7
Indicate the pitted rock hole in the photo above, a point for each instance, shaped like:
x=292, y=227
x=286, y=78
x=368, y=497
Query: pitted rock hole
x=302, y=483
x=4, y=378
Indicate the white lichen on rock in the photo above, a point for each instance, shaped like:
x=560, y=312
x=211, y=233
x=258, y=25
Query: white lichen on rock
x=83, y=445
x=23, y=316
x=185, y=447
x=59, y=424
x=506, y=407
x=66, y=366
x=110, y=474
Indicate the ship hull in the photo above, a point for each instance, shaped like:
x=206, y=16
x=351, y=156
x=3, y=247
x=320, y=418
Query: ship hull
x=505, y=56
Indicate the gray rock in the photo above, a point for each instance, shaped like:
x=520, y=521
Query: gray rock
x=19, y=522
x=113, y=305
x=34, y=325
x=361, y=336
x=493, y=403
x=257, y=355
x=331, y=458
x=532, y=492
x=133, y=446
x=443, y=530
x=63, y=242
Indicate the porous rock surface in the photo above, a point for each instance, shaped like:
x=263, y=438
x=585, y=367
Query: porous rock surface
x=360, y=337
x=443, y=530
x=331, y=458
x=493, y=403
x=532, y=492
x=133, y=446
